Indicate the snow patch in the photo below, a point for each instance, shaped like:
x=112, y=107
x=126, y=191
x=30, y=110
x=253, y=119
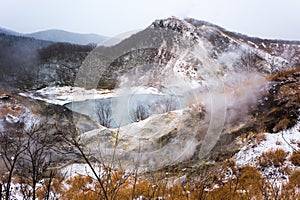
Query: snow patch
x=11, y=118
x=286, y=140
x=30, y=120
x=75, y=169
x=249, y=154
x=253, y=44
x=66, y=94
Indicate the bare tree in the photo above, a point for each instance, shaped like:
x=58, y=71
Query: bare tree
x=139, y=113
x=110, y=179
x=164, y=105
x=248, y=60
x=35, y=160
x=72, y=138
x=104, y=115
x=11, y=148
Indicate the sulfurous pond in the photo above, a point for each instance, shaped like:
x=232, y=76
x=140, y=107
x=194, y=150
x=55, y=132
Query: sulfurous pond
x=118, y=111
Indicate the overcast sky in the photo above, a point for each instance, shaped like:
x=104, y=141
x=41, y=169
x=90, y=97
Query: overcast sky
x=263, y=18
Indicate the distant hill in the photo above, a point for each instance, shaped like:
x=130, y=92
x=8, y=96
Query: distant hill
x=56, y=35
x=9, y=32
x=18, y=57
x=29, y=63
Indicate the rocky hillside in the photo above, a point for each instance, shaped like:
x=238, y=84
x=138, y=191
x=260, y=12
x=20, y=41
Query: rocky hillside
x=190, y=45
x=18, y=112
x=232, y=86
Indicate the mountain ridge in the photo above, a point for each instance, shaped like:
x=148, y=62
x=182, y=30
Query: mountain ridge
x=58, y=35
x=9, y=32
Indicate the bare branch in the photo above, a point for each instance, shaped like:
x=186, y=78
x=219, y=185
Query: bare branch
x=104, y=115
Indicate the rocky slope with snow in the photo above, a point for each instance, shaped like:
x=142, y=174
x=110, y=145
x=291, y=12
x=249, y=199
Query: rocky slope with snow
x=18, y=111
x=244, y=85
x=164, y=40
x=230, y=88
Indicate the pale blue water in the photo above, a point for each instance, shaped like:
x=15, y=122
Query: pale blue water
x=151, y=102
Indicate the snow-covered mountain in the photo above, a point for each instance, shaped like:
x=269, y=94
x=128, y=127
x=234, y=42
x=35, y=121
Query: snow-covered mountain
x=192, y=45
x=237, y=81
x=229, y=90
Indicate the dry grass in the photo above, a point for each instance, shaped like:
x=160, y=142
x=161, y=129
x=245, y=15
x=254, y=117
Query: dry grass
x=282, y=124
x=295, y=178
x=272, y=158
x=244, y=183
x=295, y=159
x=283, y=74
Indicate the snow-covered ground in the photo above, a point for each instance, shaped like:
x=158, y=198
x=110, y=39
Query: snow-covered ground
x=249, y=154
x=67, y=94
x=80, y=169
x=286, y=140
x=14, y=112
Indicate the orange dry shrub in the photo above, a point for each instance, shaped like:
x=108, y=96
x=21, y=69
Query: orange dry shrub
x=246, y=183
x=295, y=158
x=116, y=184
x=295, y=178
x=249, y=175
x=80, y=187
x=224, y=192
x=10, y=109
x=83, y=187
x=141, y=188
x=272, y=158
x=289, y=192
x=283, y=73
x=56, y=188
x=182, y=191
x=291, y=189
